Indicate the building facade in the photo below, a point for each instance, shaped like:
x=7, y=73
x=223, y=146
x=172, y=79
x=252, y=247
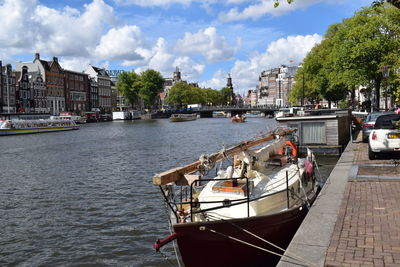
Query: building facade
x=275, y=86
x=39, y=92
x=8, y=89
x=104, y=86
x=93, y=95
x=24, y=95
x=76, y=92
x=53, y=76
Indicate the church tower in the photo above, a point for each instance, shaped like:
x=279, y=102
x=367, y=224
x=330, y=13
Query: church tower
x=177, y=75
x=230, y=86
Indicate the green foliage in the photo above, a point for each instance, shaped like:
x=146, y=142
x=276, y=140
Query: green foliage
x=226, y=96
x=352, y=53
x=152, y=83
x=182, y=94
x=128, y=85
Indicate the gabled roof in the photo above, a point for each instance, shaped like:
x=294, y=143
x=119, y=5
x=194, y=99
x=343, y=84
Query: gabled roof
x=100, y=71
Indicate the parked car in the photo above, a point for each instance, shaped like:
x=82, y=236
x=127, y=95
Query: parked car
x=369, y=124
x=385, y=137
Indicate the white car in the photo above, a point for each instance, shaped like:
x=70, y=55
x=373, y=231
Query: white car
x=385, y=137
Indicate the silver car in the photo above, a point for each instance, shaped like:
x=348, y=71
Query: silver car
x=369, y=123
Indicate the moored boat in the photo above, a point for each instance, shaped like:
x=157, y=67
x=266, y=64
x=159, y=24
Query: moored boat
x=183, y=117
x=69, y=116
x=12, y=127
x=248, y=213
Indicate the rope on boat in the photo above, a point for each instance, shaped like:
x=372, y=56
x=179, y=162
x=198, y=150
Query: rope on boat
x=292, y=257
x=298, y=259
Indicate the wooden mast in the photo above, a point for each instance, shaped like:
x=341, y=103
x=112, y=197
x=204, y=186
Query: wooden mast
x=176, y=174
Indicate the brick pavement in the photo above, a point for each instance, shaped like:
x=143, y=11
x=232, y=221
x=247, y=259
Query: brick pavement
x=367, y=230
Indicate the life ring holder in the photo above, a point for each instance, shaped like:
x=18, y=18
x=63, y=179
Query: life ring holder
x=290, y=144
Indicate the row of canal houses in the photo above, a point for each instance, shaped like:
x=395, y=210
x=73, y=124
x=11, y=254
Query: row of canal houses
x=43, y=86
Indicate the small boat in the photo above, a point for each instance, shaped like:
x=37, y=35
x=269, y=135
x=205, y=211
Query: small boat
x=11, y=127
x=219, y=114
x=238, y=118
x=247, y=214
x=183, y=117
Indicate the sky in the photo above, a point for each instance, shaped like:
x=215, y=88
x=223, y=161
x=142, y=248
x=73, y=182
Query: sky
x=205, y=39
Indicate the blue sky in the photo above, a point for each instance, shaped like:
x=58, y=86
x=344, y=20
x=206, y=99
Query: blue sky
x=206, y=39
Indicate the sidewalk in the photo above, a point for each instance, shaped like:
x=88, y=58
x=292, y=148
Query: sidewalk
x=356, y=219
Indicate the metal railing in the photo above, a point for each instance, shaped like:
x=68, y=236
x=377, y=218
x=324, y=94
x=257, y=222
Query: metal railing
x=186, y=198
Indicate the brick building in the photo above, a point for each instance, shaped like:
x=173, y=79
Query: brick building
x=76, y=92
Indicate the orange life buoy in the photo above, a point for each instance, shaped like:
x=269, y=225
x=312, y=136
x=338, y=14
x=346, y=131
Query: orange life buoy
x=293, y=146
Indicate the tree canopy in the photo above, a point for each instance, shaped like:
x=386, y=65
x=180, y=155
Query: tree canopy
x=140, y=88
x=128, y=85
x=352, y=53
x=152, y=83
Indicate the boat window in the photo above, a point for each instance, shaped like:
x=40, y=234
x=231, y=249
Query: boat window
x=313, y=133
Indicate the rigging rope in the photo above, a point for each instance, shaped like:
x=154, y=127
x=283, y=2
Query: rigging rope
x=293, y=257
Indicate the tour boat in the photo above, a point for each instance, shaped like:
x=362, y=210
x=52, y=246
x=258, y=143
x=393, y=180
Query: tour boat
x=247, y=214
x=183, y=117
x=68, y=116
x=11, y=127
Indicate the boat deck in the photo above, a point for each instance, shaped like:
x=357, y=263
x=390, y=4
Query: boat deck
x=356, y=219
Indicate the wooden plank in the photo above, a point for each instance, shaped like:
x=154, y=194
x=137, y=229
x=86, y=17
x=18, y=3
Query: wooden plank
x=177, y=174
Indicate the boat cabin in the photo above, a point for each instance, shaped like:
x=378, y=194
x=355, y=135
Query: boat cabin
x=325, y=131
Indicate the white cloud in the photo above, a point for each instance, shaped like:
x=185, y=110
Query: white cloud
x=285, y=51
x=71, y=33
x=218, y=81
x=74, y=63
x=190, y=70
x=207, y=43
x=261, y=8
x=152, y=2
x=31, y=27
x=121, y=43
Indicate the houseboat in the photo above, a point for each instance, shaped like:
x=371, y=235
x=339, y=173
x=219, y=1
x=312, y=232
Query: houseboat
x=183, y=117
x=126, y=115
x=325, y=131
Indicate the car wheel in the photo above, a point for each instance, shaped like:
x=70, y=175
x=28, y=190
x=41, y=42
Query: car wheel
x=371, y=155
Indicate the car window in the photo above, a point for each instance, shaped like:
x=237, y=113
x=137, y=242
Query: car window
x=374, y=116
x=387, y=121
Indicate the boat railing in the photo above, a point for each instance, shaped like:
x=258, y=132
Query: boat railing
x=186, y=204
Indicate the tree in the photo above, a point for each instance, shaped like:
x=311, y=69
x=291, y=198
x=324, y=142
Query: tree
x=128, y=85
x=182, y=94
x=211, y=97
x=362, y=44
x=151, y=84
x=352, y=53
x=227, y=96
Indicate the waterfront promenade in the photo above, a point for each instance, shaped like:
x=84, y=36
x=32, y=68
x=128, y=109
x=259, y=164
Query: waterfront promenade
x=356, y=219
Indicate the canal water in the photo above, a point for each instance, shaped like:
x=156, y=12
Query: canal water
x=85, y=198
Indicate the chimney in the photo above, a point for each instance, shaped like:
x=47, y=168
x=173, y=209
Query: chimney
x=55, y=59
x=37, y=56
